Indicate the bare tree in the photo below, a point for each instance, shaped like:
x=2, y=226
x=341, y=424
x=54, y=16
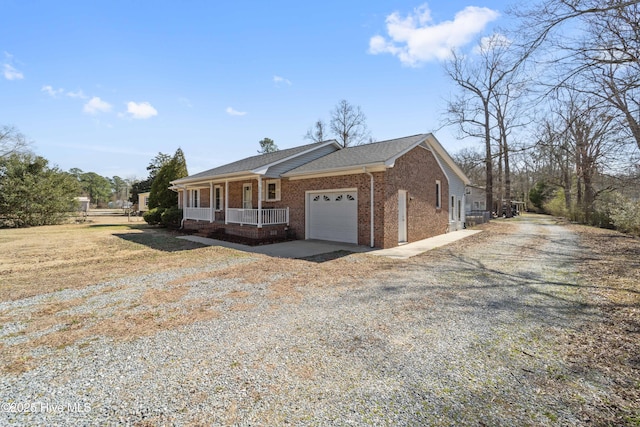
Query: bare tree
x=604, y=49
x=11, y=141
x=619, y=86
x=470, y=110
x=481, y=109
x=507, y=109
x=317, y=133
x=592, y=137
x=349, y=124
x=542, y=19
x=471, y=161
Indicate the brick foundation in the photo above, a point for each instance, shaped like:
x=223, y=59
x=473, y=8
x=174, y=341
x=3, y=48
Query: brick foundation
x=279, y=231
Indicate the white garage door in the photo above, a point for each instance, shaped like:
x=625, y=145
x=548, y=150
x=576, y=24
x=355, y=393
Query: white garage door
x=333, y=215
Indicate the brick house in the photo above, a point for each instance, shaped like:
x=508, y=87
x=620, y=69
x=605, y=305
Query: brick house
x=381, y=194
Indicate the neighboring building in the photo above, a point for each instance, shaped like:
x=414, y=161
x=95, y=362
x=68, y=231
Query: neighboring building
x=143, y=202
x=475, y=205
x=476, y=199
x=380, y=194
x=84, y=204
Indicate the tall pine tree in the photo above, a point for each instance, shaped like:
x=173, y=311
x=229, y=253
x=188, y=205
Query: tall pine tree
x=161, y=196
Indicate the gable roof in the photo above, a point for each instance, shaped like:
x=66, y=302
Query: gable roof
x=255, y=164
x=444, y=156
x=374, y=154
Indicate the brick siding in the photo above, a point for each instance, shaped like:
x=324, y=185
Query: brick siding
x=415, y=172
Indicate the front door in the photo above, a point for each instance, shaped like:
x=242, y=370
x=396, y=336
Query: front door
x=246, y=197
x=402, y=216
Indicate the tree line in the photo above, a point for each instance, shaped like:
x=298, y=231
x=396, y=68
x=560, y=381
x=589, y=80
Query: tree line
x=32, y=192
x=555, y=104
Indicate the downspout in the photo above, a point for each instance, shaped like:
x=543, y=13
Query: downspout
x=184, y=213
x=371, y=239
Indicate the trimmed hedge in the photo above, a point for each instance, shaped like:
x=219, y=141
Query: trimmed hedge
x=171, y=217
x=153, y=216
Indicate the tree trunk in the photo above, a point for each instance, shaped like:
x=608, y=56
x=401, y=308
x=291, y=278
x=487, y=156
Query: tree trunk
x=589, y=198
x=634, y=126
x=488, y=161
x=566, y=179
x=500, y=192
x=507, y=176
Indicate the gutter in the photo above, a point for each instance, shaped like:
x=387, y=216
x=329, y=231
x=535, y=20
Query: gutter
x=364, y=169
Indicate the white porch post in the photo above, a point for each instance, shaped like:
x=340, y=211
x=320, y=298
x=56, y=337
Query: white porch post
x=211, y=211
x=259, y=202
x=184, y=211
x=226, y=201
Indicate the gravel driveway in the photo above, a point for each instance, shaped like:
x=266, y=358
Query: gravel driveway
x=462, y=335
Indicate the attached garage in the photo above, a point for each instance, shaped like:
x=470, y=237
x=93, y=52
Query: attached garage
x=333, y=215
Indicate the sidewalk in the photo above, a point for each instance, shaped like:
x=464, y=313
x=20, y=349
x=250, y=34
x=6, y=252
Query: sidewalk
x=307, y=248
x=416, y=248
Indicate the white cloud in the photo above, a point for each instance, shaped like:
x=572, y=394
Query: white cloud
x=77, y=94
x=493, y=41
x=281, y=80
x=11, y=73
x=96, y=105
x=141, y=110
x=416, y=39
x=230, y=111
x=49, y=90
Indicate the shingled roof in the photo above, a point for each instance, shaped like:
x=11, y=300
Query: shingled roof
x=376, y=153
x=250, y=164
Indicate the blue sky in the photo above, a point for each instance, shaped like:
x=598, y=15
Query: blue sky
x=105, y=85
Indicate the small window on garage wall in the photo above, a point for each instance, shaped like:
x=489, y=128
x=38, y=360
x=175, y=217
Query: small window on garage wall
x=271, y=190
x=438, y=195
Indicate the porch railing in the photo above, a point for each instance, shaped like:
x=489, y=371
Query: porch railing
x=250, y=216
x=202, y=214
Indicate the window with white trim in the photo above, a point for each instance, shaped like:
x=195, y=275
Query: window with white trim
x=217, y=197
x=438, y=195
x=271, y=190
x=194, y=198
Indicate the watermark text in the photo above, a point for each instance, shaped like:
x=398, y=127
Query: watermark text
x=45, y=407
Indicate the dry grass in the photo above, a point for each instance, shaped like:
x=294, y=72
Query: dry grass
x=45, y=259
x=35, y=261
x=610, y=346
x=42, y=260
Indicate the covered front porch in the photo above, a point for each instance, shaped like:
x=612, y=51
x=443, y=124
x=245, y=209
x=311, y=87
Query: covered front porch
x=257, y=217
x=251, y=201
